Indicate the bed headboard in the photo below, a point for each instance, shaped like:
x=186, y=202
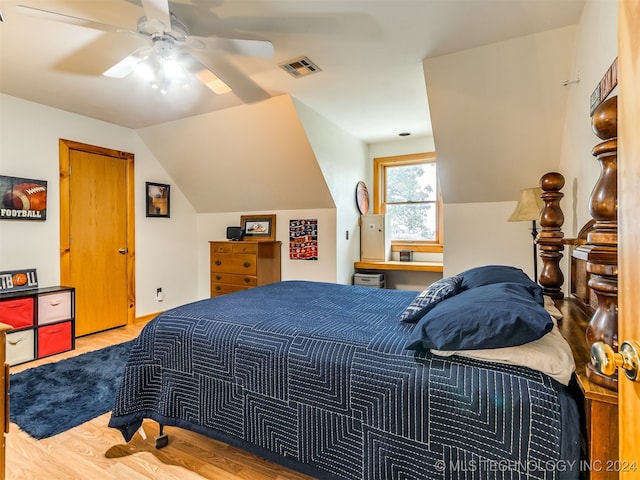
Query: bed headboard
x=594, y=253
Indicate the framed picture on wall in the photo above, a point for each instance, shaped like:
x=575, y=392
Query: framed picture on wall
x=158, y=200
x=258, y=227
x=23, y=198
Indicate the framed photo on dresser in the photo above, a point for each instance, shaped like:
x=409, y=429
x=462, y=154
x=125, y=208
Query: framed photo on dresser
x=258, y=227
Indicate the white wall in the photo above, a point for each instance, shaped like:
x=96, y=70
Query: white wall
x=402, y=146
x=498, y=112
x=165, y=248
x=596, y=49
x=253, y=156
x=478, y=233
x=343, y=161
x=214, y=226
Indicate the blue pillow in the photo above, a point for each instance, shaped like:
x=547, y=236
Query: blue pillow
x=429, y=298
x=490, y=316
x=490, y=274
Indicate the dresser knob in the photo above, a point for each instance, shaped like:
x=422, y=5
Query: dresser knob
x=246, y=264
x=218, y=287
x=218, y=262
x=247, y=280
x=218, y=277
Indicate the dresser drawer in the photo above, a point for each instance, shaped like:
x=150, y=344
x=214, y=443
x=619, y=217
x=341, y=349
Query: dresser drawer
x=17, y=312
x=233, y=247
x=234, y=279
x=54, y=339
x=20, y=347
x=222, y=288
x=244, y=247
x=233, y=263
x=220, y=247
x=53, y=307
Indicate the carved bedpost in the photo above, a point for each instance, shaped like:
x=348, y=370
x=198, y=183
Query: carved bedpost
x=550, y=238
x=602, y=242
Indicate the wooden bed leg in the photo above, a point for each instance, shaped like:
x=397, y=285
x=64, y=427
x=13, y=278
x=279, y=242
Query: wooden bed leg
x=162, y=440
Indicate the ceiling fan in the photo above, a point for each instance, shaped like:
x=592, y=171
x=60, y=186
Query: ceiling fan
x=171, y=52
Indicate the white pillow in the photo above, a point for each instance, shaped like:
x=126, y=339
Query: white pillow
x=550, y=307
x=550, y=354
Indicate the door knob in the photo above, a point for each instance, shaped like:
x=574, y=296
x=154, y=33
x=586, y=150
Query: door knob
x=122, y=251
x=606, y=361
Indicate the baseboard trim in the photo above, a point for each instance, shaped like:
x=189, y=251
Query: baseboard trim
x=146, y=318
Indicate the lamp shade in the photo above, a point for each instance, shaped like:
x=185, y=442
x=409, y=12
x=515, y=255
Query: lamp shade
x=529, y=205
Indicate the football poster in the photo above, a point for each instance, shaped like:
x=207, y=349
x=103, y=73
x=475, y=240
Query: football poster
x=22, y=198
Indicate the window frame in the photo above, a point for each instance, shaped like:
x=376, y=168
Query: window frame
x=379, y=205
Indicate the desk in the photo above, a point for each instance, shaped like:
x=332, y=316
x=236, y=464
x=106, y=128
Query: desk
x=394, y=265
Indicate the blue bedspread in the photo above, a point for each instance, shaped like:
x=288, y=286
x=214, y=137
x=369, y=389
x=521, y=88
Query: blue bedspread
x=315, y=376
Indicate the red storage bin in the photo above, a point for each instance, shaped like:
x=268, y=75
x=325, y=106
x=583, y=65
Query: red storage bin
x=54, y=339
x=17, y=312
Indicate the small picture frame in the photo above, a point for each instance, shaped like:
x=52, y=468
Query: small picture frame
x=258, y=227
x=158, y=199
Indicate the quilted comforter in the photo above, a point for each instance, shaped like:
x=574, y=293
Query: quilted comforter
x=315, y=376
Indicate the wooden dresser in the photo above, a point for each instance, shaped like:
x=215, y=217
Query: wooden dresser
x=241, y=265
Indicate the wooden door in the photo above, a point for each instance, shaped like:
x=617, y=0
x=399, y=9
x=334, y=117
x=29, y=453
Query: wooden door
x=629, y=226
x=96, y=235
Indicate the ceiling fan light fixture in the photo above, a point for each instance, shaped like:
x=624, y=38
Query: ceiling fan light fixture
x=145, y=71
x=172, y=69
x=168, y=62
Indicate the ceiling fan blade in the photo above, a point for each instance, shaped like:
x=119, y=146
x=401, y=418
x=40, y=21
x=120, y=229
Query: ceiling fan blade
x=125, y=66
x=239, y=46
x=245, y=88
x=59, y=17
x=158, y=10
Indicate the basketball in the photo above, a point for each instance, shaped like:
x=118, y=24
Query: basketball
x=19, y=279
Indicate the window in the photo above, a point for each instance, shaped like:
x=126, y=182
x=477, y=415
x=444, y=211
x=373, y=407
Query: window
x=406, y=190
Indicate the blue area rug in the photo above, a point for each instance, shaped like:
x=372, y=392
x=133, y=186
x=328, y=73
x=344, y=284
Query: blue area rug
x=55, y=397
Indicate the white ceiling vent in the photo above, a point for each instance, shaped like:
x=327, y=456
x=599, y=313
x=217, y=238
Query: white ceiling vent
x=300, y=67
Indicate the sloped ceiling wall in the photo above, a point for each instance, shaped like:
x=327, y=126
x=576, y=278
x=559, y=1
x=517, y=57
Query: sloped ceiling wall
x=498, y=114
x=247, y=158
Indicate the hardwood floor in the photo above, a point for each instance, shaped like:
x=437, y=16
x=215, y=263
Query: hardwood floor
x=93, y=451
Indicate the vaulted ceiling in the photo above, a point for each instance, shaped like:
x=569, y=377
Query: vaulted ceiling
x=374, y=57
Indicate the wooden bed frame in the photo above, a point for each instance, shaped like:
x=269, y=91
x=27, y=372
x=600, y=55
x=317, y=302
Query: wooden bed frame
x=590, y=312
